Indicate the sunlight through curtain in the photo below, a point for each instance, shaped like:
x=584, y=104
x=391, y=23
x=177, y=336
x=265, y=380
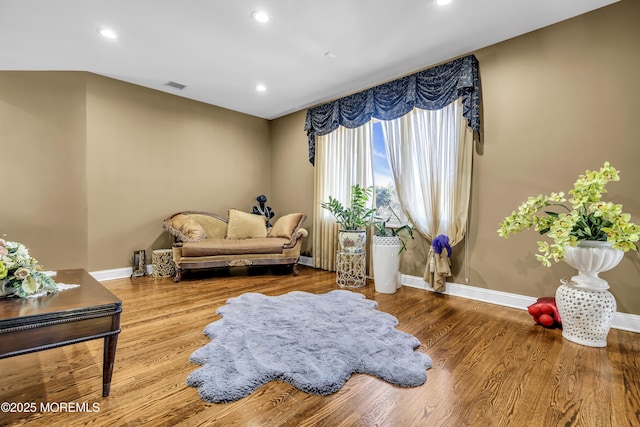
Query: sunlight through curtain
x=430, y=154
x=344, y=158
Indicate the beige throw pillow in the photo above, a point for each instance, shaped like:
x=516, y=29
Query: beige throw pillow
x=185, y=228
x=286, y=226
x=243, y=225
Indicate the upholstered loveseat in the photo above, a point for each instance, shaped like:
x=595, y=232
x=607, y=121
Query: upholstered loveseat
x=203, y=240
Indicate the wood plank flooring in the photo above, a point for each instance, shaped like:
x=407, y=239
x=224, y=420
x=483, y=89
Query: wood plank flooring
x=492, y=367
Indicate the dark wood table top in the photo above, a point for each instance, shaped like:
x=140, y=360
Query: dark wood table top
x=90, y=298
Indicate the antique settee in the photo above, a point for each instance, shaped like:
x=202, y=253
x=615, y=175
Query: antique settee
x=203, y=240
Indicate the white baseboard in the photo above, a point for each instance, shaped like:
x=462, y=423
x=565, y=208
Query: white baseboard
x=622, y=321
x=115, y=273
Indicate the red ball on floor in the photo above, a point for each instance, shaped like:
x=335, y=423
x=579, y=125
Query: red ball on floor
x=545, y=312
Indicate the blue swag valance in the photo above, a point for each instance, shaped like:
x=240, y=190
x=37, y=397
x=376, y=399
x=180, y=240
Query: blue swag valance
x=430, y=89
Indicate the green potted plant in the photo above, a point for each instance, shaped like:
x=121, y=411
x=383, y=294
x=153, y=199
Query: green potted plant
x=396, y=234
x=352, y=219
x=388, y=243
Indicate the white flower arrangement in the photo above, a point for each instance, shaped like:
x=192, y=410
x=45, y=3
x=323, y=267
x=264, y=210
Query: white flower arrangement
x=20, y=273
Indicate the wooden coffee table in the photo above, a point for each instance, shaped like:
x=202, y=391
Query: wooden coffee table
x=76, y=315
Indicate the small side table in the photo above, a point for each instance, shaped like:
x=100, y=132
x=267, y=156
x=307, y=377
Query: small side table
x=162, y=260
x=351, y=269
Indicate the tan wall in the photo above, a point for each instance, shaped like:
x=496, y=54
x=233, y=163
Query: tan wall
x=42, y=151
x=150, y=154
x=291, y=172
x=555, y=102
x=105, y=162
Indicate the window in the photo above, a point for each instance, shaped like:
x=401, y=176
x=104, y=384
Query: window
x=387, y=202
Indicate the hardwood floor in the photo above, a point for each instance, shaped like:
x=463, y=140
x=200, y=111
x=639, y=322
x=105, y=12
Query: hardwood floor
x=492, y=367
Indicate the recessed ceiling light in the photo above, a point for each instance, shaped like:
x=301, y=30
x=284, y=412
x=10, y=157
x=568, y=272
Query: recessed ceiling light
x=261, y=88
x=108, y=33
x=260, y=16
x=443, y=2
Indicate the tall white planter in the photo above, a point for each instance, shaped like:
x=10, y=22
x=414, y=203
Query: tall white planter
x=586, y=307
x=386, y=264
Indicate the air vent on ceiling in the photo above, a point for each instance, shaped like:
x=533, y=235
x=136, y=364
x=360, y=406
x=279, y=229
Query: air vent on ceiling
x=176, y=85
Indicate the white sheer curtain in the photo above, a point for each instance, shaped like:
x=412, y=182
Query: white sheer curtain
x=343, y=158
x=430, y=154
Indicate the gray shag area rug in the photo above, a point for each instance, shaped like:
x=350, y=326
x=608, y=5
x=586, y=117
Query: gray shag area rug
x=314, y=342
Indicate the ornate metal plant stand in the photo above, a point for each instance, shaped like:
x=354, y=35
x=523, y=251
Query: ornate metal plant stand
x=350, y=269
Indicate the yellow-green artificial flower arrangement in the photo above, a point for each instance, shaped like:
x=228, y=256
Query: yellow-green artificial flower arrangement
x=589, y=218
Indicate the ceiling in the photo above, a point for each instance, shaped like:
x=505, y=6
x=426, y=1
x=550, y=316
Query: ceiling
x=309, y=52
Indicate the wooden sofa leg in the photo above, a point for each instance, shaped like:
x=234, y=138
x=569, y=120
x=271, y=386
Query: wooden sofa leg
x=296, y=271
x=178, y=275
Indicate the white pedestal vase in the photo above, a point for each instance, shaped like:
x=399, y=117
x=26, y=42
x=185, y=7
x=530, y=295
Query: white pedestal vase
x=586, y=307
x=386, y=263
x=591, y=258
